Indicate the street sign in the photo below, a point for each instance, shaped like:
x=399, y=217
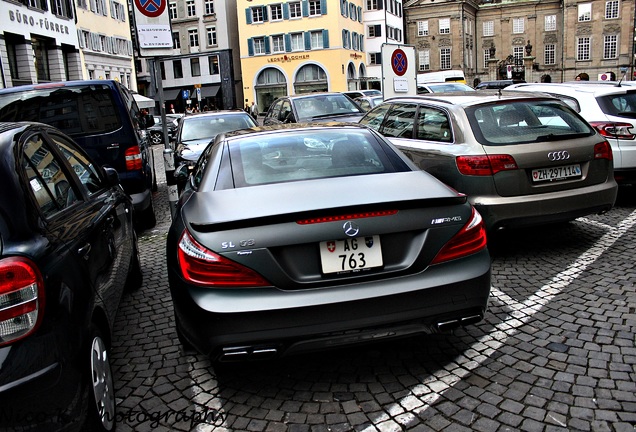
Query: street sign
x=398, y=70
x=185, y=94
x=152, y=24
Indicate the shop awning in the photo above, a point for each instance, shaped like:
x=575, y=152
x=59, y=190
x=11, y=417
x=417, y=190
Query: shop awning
x=143, y=101
x=171, y=94
x=209, y=91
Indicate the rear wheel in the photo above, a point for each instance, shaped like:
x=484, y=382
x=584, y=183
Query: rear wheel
x=101, y=409
x=147, y=218
x=135, y=275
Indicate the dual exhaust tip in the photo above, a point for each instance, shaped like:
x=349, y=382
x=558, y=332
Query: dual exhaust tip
x=264, y=352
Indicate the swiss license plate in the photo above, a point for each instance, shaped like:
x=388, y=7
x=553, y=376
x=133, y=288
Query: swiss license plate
x=349, y=255
x=556, y=173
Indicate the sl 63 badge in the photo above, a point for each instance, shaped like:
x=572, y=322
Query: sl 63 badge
x=242, y=243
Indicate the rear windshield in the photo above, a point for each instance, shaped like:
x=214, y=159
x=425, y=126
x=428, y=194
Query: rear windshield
x=620, y=105
x=207, y=127
x=275, y=158
x=77, y=110
x=526, y=122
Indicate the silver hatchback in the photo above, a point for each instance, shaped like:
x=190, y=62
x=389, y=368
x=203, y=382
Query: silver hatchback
x=522, y=159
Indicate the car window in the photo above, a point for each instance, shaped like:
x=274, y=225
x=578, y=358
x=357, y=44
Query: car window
x=52, y=189
x=275, y=109
x=59, y=107
x=202, y=127
x=374, y=118
x=525, y=122
x=433, y=125
x=82, y=167
x=320, y=153
x=621, y=105
x=399, y=122
x=285, y=111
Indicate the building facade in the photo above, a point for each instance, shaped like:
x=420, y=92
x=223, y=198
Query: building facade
x=547, y=40
x=304, y=46
x=38, y=42
x=104, y=35
x=384, y=24
x=204, y=71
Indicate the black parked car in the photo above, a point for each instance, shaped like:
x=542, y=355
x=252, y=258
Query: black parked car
x=67, y=252
x=156, y=131
x=103, y=118
x=313, y=107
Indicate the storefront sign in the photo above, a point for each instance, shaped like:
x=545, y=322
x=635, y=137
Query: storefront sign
x=29, y=22
x=287, y=58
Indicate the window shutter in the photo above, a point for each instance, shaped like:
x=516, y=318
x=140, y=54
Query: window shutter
x=250, y=47
x=307, y=37
x=286, y=11
x=362, y=43
x=248, y=15
x=112, y=9
x=288, y=43
x=305, y=7
x=323, y=7
x=80, y=38
x=359, y=14
x=325, y=38
x=380, y=4
x=343, y=8
x=268, y=48
x=264, y=13
x=378, y=30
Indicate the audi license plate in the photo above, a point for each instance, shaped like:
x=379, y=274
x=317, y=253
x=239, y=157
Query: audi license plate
x=556, y=173
x=354, y=254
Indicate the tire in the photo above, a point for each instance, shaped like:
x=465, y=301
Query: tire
x=101, y=393
x=147, y=218
x=135, y=275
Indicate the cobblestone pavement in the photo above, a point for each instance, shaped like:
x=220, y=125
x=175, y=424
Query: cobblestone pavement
x=556, y=352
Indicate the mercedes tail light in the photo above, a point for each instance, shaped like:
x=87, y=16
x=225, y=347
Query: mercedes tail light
x=469, y=240
x=485, y=165
x=615, y=130
x=21, y=298
x=133, y=158
x=200, y=266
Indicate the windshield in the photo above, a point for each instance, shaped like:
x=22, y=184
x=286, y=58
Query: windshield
x=207, y=127
x=525, y=122
x=324, y=106
x=303, y=155
x=620, y=105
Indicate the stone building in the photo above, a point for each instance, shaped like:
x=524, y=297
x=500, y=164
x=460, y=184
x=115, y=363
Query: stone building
x=526, y=39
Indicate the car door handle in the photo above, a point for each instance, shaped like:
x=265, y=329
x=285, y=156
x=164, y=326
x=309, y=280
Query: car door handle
x=84, y=251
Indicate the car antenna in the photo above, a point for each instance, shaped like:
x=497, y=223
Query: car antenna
x=621, y=80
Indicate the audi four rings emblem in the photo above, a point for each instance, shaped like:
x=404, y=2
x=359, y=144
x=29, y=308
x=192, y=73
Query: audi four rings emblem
x=558, y=155
x=351, y=229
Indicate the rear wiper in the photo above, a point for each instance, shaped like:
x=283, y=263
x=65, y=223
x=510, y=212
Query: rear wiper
x=556, y=137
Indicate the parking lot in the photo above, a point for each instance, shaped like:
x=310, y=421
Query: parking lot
x=556, y=351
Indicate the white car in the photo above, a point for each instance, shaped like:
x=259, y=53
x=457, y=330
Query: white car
x=611, y=109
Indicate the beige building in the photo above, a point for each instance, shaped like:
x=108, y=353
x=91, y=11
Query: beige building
x=104, y=35
x=299, y=47
x=523, y=38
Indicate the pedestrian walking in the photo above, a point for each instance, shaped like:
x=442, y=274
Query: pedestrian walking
x=254, y=110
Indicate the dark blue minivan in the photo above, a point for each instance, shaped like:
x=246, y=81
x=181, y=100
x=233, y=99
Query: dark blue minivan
x=103, y=118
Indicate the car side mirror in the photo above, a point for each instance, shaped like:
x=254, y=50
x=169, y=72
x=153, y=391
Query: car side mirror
x=112, y=177
x=181, y=173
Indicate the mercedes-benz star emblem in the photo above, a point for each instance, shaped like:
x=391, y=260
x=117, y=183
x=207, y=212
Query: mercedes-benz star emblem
x=351, y=229
x=558, y=155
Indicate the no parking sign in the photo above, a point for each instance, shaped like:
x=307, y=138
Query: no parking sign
x=398, y=70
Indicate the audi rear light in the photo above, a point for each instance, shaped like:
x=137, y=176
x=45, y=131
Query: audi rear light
x=200, y=266
x=133, y=158
x=21, y=299
x=485, y=165
x=469, y=240
x=603, y=150
x=614, y=130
